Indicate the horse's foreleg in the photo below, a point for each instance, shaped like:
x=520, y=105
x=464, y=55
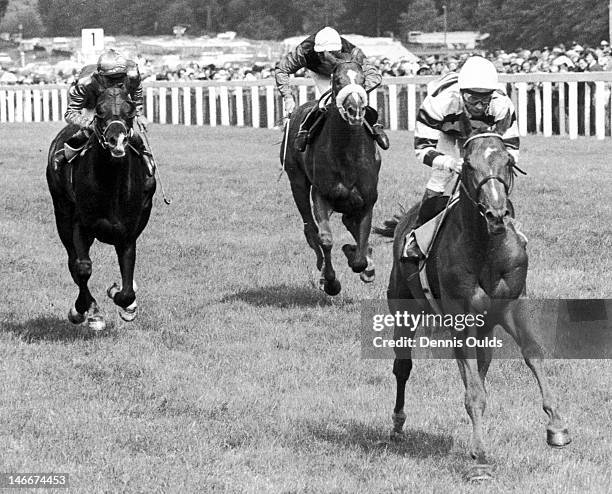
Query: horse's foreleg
x=401, y=370
x=515, y=323
x=360, y=256
x=322, y=212
x=475, y=404
x=80, y=265
x=125, y=295
x=301, y=196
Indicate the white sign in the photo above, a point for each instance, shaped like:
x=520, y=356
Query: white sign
x=92, y=40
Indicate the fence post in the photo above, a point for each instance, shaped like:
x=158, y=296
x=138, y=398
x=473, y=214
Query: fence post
x=522, y=107
x=255, y=106
x=392, y=106
x=587, y=109
x=212, y=102
x=270, y=106
x=2, y=105
x=561, y=108
x=187, y=105
x=573, y=109
x=239, y=107
x=600, y=110
x=162, y=105
x=547, y=108
x=199, y=102
x=174, y=103
x=223, y=94
x=150, y=106
x=411, y=106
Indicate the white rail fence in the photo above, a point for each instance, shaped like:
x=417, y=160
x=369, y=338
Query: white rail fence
x=570, y=104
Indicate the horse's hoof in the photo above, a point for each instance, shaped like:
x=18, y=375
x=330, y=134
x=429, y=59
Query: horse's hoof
x=332, y=287
x=558, y=438
x=75, y=317
x=113, y=290
x=129, y=313
x=479, y=473
x=368, y=276
x=96, y=322
x=396, y=437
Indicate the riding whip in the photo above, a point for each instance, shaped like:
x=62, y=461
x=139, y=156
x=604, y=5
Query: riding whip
x=148, y=144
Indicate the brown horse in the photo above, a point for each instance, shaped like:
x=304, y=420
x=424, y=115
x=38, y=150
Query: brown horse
x=477, y=265
x=104, y=194
x=336, y=172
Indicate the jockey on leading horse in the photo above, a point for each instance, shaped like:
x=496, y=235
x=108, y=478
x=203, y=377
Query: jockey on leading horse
x=438, y=137
x=318, y=53
x=112, y=70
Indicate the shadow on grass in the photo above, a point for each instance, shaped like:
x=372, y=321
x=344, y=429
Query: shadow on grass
x=50, y=328
x=283, y=296
x=416, y=443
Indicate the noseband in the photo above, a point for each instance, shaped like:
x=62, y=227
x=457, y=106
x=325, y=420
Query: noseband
x=507, y=186
x=101, y=134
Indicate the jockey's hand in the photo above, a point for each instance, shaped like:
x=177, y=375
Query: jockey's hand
x=447, y=163
x=289, y=105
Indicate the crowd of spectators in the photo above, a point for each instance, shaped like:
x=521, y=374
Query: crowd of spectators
x=559, y=58
x=576, y=58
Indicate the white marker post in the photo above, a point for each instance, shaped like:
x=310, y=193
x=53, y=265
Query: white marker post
x=92, y=44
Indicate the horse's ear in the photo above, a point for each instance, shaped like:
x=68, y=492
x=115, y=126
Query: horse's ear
x=503, y=125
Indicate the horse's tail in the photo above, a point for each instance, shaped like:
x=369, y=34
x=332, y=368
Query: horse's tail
x=389, y=226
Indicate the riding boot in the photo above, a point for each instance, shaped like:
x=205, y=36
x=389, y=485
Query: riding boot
x=303, y=135
x=411, y=248
x=378, y=134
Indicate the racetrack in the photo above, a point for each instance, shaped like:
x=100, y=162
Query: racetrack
x=238, y=374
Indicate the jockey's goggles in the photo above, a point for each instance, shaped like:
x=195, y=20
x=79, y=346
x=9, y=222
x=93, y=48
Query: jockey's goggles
x=473, y=97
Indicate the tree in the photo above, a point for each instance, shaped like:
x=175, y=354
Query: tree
x=421, y=15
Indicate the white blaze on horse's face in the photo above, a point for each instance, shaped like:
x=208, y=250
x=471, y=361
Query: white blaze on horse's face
x=118, y=151
x=351, y=101
x=352, y=76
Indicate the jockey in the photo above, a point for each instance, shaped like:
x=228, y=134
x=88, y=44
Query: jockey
x=318, y=54
x=476, y=92
x=112, y=70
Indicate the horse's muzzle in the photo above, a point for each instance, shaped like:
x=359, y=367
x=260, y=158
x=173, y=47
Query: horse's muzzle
x=117, y=146
x=497, y=220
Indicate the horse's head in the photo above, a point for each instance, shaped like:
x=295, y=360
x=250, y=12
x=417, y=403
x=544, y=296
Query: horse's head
x=348, y=91
x=114, y=116
x=487, y=178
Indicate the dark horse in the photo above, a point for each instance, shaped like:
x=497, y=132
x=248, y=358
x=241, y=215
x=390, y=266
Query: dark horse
x=337, y=172
x=477, y=265
x=104, y=194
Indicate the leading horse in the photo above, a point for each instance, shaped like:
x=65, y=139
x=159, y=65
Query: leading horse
x=105, y=193
x=477, y=265
x=338, y=171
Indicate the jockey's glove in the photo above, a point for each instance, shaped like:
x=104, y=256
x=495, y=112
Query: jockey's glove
x=447, y=163
x=84, y=121
x=289, y=104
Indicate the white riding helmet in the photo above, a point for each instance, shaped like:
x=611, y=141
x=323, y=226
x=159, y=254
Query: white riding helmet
x=478, y=73
x=327, y=39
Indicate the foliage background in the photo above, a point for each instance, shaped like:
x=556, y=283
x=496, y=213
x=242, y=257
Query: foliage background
x=511, y=23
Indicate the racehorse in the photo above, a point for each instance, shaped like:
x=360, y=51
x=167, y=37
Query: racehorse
x=476, y=265
x=336, y=172
x=105, y=194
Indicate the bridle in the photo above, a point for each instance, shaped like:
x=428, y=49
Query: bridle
x=507, y=185
x=339, y=96
x=101, y=134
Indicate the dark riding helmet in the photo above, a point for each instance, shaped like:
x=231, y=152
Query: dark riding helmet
x=112, y=63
